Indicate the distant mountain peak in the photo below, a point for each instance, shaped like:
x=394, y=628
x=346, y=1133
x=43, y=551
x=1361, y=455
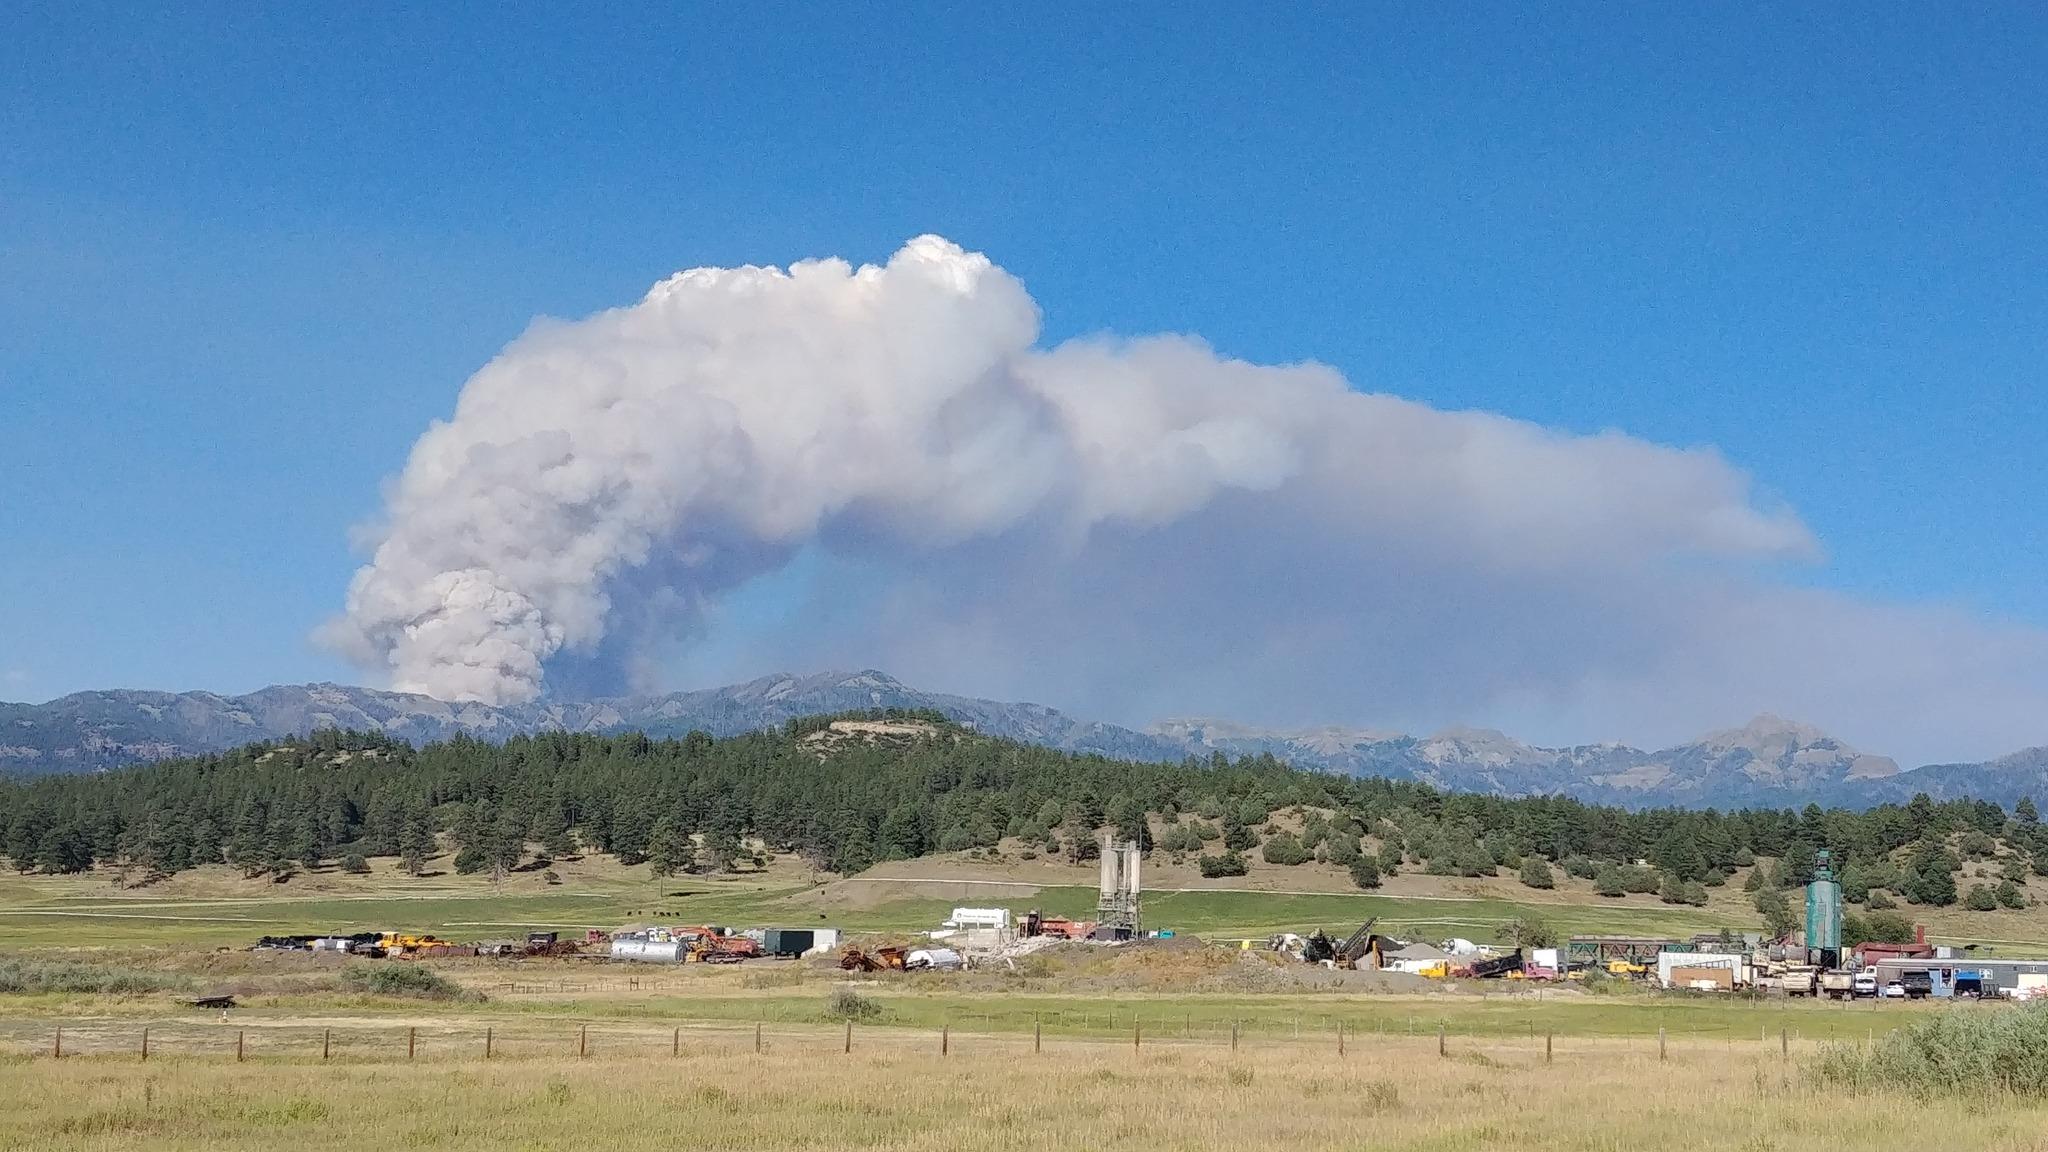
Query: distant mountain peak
x=1770, y=731
x=1769, y=761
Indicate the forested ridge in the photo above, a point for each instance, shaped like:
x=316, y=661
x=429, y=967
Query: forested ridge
x=703, y=803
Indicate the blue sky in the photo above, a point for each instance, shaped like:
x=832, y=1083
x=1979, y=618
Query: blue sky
x=245, y=259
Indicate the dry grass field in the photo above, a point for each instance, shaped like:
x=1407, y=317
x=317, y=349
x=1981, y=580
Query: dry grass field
x=895, y=1090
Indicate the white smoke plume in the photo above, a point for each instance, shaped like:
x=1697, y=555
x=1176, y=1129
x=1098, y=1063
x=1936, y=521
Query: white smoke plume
x=1155, y=510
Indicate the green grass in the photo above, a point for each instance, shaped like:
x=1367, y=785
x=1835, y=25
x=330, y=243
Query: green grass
x=1221, y=915
x=37, y=912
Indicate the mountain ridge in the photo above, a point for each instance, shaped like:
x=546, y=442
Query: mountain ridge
x=1768, y=762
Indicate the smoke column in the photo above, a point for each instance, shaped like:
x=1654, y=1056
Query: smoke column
x=602, y=481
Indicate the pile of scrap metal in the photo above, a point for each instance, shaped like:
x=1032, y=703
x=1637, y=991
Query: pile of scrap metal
x=360, y=944
x=880, y=960
x=893, y=959
x=551, y=944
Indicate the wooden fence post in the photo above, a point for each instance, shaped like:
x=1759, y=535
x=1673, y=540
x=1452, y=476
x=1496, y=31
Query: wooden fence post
x=1233, y=1035
x=1784, y=1042
x=1037, y=1034
x=945, y=1038
x=582, y=1040
x=326, y=1041
x=1442, y=1046
x=490, y=1034
x=1137, y=1034
x=57, y=1045
x=239, y=1034
x=757, y=1037
x=1340, y=1037
x=412, y=1036
x=145, y=1043
x=1660, y=1042
x=675, y=1042
x=849, y=1036
x=1548, y=1037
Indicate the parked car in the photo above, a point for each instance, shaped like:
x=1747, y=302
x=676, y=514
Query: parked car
x=1895, y=991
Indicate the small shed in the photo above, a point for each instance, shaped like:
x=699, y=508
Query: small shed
x=1412, y=958
x=1735, y=969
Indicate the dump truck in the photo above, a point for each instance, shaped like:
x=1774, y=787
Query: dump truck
x=1837, y=985
x=1497, y=967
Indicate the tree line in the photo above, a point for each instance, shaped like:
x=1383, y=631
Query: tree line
x=695, y=802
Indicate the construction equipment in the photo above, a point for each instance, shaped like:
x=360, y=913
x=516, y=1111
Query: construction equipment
x=708, y=946
x=1495, y=968
x=880, y=960
x=409, y=945
x=1626, y=969
x=1036, y=923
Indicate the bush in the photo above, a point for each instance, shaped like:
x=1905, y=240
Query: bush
x=1228, y=864
x=1582, y=867
x=1980, y=899
x=403, y=978
x=1609, y=882
x=847, y=1004
x=355, y=865
x=22, y=975
x=1529, y=932
x=1960, y=1052
x=1536, y=872
x=1365, y=872
x=2009, y=895
x=1283, y=848
x=1880, y=902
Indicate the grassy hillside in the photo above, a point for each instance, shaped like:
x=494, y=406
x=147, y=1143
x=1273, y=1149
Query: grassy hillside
x=218, y=907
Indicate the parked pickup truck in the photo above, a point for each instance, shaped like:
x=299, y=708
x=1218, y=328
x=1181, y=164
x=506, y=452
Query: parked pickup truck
x=1864, y=985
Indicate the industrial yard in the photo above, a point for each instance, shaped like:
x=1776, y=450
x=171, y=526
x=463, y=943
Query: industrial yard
x=956, y=1032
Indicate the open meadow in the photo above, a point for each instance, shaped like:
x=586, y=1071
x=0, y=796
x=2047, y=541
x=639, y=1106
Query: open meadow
x=215, y=906
x=1166, y=1044
x=1170, y=1044
x=897, y=1090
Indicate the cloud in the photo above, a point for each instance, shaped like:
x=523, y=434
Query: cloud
x=1119, y=525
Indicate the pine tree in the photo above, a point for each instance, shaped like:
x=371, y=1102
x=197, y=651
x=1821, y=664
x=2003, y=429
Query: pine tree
x=665, y=853
x=249, y=845
x=416, y=837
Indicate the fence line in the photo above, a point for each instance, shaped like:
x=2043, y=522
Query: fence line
x=258, y=1041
